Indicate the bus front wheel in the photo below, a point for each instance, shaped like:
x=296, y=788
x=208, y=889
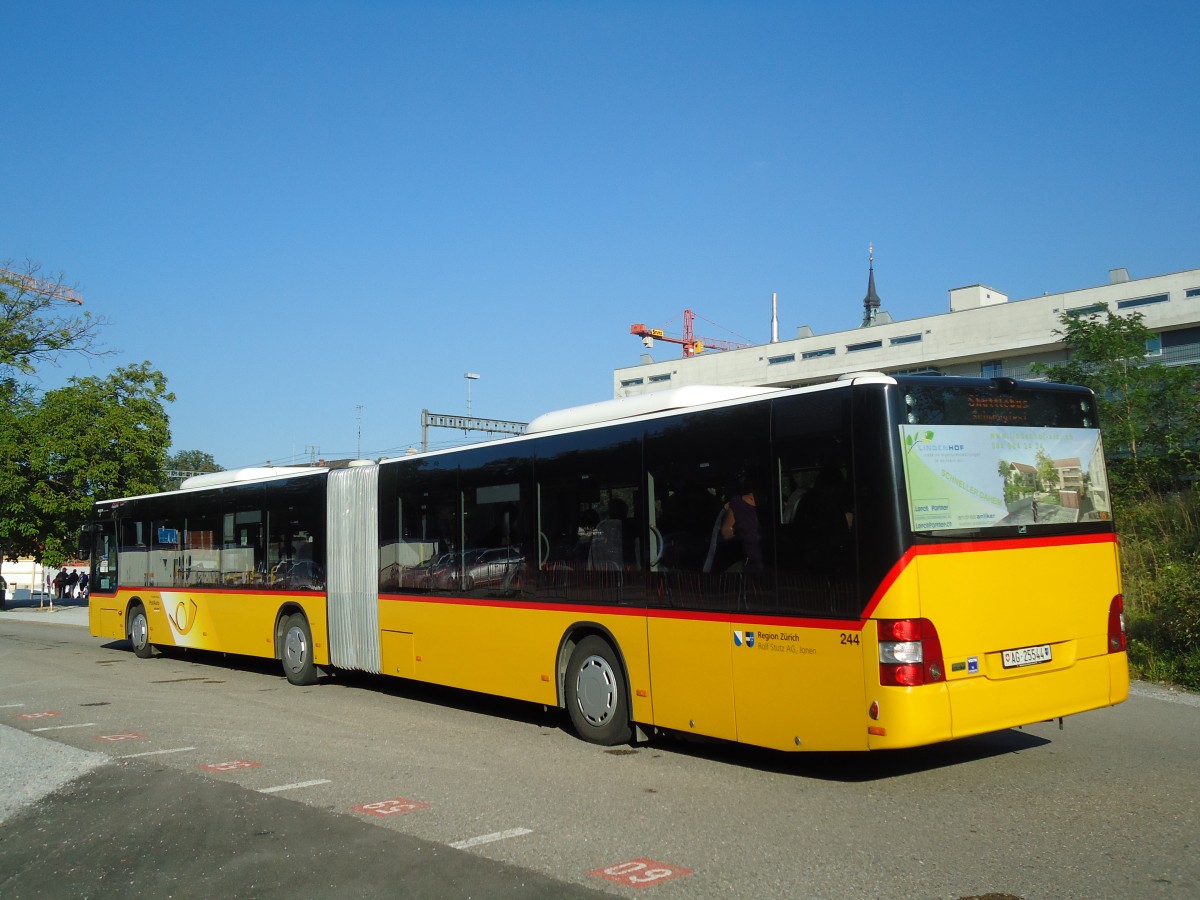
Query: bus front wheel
x=139, y=632
x=595, y=693
x=296, y=651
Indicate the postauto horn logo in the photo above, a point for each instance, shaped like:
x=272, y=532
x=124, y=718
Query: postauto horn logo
x=740, y=638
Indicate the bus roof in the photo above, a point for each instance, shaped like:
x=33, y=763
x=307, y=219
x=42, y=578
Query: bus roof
x=641, y=405
x=248, y=475
x=238, y=476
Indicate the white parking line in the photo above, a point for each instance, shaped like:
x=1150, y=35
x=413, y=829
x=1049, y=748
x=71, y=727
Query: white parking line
x=489, y=838
x=289, y=787
x=12, y=706
x=62, y=727
x=156, y=752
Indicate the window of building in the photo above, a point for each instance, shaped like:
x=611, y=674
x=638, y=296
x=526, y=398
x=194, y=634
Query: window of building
x=992, y=369
x=905, y=339
x=816, y=354
x=1154, y=345
x=632, y=382
x=1142, y=301
x=780, y=360
x=1089, y=310
x=865, y=345
x=1192, y=293
x=1180, y=337
x=658, y=379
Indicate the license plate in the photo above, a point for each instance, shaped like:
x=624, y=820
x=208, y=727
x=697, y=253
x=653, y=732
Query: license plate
x=1026, y=656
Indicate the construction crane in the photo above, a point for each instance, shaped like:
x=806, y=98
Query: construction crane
x=691, y=344
x=33, y=285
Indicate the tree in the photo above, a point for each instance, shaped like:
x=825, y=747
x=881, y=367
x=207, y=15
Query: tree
x=1149, y=412
x=1047, y=475
x=60, y=450
x=38, y=323
x=95, y=438
x=18, y=525
x=183, y=463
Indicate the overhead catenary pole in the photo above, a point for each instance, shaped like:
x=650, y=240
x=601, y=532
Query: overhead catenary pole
x=466, y=423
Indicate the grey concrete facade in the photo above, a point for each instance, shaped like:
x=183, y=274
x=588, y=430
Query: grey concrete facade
x=982, y=333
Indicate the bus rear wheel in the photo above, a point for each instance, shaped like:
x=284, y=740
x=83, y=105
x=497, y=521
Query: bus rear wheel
x=139, y=632
x=596, y=695
x=296, y=651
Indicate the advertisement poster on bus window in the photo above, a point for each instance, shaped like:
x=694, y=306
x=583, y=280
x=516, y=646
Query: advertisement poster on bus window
x=970, y=477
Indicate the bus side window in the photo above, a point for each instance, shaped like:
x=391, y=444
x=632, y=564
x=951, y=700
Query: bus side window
x=295, y=538
x=419, y=525
x=815, y=506
x=495, y=498
x=712, y=534
x=133, y=556
x=590, y=543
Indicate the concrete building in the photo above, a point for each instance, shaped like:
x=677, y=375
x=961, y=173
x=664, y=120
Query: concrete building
x=982, y=334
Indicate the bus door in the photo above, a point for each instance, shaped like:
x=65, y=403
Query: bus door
x=797, y=648
x=698, y=468
x=688, y=631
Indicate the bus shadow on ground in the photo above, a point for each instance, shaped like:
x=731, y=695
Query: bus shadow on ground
x=211, y=660
x=851, y=766
x=847, y=766
x=842, y=766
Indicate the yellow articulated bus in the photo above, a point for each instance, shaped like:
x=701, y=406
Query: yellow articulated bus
x=878, y=562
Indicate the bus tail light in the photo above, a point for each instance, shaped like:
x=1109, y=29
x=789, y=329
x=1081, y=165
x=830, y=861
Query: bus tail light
x=910, y=653
x=1117, y=639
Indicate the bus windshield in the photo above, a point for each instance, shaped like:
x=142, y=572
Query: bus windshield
x=993, y=456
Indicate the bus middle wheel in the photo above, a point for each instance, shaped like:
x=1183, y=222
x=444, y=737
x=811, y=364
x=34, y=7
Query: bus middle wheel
x=595, y=693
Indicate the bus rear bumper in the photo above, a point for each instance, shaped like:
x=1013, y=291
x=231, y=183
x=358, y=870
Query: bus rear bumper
x=980, y=705
x=911, y=717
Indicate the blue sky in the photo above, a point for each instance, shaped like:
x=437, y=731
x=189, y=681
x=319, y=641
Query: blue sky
x=294, y=209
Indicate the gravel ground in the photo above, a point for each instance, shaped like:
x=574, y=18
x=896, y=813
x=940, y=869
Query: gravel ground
x=34, y=767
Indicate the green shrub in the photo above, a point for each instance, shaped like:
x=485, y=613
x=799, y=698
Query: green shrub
x=1160, y=561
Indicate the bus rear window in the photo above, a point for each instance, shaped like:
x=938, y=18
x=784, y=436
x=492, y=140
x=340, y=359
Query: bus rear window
x=977, y=458
x=985, y=404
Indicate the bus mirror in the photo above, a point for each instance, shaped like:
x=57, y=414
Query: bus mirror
x=84, y=544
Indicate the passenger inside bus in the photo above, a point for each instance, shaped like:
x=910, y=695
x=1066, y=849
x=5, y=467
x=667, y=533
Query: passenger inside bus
x=607, y=550
x=741, y=530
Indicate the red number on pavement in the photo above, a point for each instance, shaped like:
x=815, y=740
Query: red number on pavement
x=640, y=873
x=391, y=807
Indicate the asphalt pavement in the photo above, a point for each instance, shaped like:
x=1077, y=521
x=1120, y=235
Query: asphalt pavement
x=77, y=823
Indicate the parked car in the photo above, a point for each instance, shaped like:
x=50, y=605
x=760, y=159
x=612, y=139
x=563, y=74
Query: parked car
x=488, y=568
x=297, y=575
x=422, y=576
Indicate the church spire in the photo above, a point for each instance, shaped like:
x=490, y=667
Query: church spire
x=871, y=301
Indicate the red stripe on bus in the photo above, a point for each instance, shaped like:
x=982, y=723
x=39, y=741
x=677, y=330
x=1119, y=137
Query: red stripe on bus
x=143, y=590
x=694, y=615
